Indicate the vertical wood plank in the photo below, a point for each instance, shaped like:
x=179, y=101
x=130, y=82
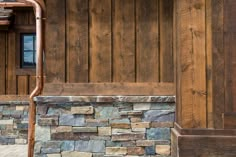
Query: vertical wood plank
x=77, y=41
x=32, y=83
x=21, y=17
x=22, y=85
x=100, y=41
x=11, y=64
x=230, y=54
x=147, y=49
x=32, y=17
x=191, y=74
x=210, y=122
x=218, y=63
x=123, y=41
x=166, y=41
x=55, y=47
x=2, y=63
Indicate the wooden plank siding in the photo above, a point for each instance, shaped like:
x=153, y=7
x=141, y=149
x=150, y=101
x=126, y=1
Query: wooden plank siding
x=13, y=79
x=55, y=56
x=3, y=50
x=230, y=54
x=109, y=41
x=147, y=55
x=95, y=41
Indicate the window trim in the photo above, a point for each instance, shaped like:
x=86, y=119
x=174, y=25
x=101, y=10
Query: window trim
x=21, y=30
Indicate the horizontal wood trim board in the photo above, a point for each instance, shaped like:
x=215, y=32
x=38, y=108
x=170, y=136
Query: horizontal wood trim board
x=204, y=131
x=74, y=89
x=11, y=98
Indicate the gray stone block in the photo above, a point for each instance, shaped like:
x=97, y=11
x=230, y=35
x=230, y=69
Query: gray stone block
x=104, y=112
x=159, y=116
x=50, y=150
x=158, y=134
x=71, y=120
x=94, y=146
x=68, y=146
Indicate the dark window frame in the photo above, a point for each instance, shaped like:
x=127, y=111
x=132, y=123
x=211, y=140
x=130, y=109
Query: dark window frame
x=22, y=51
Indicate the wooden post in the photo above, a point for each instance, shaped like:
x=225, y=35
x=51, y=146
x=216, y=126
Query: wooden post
x=190, y=48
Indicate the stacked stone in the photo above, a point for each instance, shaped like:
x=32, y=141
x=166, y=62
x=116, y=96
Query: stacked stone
x=13, y=123
x=109, y=129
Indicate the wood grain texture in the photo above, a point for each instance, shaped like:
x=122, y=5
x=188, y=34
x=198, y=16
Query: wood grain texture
x=77, y=40
x=11, y=64
x=191, y=63
x=75, y=89
x=230, y=54
x=22, y=85
x=210, y=122
x=100, y=41
x=229, y=120
x=55, y=45
x=32, y=83
x=218, y=62
x=3, y=63
x=147, y=48
x=166, y=40
x=123, y=41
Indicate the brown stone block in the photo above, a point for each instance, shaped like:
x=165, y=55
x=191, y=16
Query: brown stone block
x=135, y=151
x=72, y=136
x=82, y=110
x=120, y=125
x=140, y=125
x=128, y=137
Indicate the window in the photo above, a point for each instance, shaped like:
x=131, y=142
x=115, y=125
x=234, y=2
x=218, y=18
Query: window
x=28, y=50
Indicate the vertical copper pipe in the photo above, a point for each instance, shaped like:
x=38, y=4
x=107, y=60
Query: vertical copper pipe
x=39, y=77
x=39, y=66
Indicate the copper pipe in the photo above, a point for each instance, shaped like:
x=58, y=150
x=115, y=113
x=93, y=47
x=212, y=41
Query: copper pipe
x=13, y=4
x=39, y=65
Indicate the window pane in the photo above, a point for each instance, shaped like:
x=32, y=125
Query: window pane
x=28, y=51
x=28, y=42
x=28, y=58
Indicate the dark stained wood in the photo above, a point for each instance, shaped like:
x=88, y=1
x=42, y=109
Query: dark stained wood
x=203, y=142
x=147, y=54
x=191, y=63
x=77, y=41
x=205, y=131
x=22, y=85
x=123, y=41
x=75, y=89
x=218, y=63
x=230, y=54
x=21, y=17
x=100, y=41
x=3, y=63
x=55, y=45
x=11, y=66
x=166, y=40
x=229, y=120
x=32, y=20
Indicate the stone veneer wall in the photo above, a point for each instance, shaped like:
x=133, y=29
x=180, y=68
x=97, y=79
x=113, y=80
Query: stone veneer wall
x=13, y=123
x=104, y=126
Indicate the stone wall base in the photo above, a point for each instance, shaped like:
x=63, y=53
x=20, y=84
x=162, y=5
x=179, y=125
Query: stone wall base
x=203, y=142
x=104, y=126
x=13, y=123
